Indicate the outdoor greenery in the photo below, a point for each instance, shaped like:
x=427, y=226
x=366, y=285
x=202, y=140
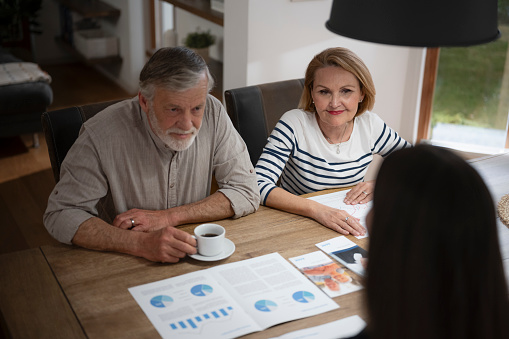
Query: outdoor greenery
x=468, y=85
x=469, y=82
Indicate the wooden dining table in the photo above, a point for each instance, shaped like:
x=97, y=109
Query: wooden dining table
x=65, y=291
x=70, y=292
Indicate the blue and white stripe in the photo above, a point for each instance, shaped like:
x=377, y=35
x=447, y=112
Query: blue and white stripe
x=298, y=154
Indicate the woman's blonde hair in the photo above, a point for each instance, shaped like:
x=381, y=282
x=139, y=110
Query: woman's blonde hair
x=349, y=61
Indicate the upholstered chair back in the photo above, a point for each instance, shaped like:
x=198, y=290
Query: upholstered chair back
x=255, y=110
x=61, y=129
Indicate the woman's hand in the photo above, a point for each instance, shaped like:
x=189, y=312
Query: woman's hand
x=362, y=193
x=339, y=221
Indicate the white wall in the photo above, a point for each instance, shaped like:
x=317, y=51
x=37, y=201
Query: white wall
x=273, y=40
x=129, y=28
x=236, y=47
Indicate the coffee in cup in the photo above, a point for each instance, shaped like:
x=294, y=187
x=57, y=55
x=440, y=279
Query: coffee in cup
x=210, y=239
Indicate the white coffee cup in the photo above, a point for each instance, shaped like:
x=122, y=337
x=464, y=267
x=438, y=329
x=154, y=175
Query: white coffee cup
x=210, y=239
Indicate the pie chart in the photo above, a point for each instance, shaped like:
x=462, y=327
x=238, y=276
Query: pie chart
x=201, y=290
x=265, y=305
x=161, y=301
x=303, y=296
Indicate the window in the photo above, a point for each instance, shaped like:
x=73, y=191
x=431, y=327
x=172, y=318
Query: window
x=465, y=101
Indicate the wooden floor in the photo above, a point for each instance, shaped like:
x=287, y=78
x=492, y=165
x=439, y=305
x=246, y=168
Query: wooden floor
x=26, y=179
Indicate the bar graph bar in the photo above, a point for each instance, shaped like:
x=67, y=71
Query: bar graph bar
x=189, y=324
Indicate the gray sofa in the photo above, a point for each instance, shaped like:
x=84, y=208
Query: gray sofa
x=21, y=105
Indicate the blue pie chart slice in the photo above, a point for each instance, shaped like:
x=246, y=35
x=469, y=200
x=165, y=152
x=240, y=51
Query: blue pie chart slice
x=201, y=290
x=161, y=301
x=303, y=297
x=265, y=305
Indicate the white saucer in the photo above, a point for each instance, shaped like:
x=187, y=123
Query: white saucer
x=229, y=248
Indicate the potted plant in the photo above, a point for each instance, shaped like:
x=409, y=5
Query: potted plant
x=200, y=43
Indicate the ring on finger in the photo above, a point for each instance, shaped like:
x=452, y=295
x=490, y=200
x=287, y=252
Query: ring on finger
x=365, y=192
x=132, y=222
x=347, y=219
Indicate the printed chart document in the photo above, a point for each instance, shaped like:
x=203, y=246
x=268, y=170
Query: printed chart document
x=332, y=278
x=346, y=252
x=359, y=211
x=342, y=328
x=231, y=300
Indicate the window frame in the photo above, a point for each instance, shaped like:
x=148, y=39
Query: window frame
x=428, y=89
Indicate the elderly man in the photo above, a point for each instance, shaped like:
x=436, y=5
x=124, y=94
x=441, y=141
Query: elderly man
x=145, y=165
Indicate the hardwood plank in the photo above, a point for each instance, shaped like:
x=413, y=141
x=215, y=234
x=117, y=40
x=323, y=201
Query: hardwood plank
x=32, y=304
x=40, y=185
x=200, y=8
x=35, y=160
x=12, y=239
x=93, y=86
x=91, y=9
x=26, y=209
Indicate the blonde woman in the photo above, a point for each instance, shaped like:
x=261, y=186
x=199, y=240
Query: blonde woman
x=328, y=142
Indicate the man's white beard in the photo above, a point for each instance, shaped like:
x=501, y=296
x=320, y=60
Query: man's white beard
x=165, y=135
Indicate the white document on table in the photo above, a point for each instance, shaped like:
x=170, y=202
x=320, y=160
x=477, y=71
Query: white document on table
x=231, y=300
x=342, y=328
x=335, y=200
x=329, y=276
x=346, y=252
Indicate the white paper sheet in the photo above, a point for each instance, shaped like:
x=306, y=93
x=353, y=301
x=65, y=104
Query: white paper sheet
x=231, y=300
x=342, y=328
x=346, y=252
x=330, y=277
x=335, y=200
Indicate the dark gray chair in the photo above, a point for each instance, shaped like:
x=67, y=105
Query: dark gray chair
x=255, y=110
x=61, y=129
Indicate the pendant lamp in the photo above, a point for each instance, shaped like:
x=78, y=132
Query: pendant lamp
x=430, y=23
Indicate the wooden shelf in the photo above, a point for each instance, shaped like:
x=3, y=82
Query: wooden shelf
x=91, y=8
x=200, y=8
x=75, y=52
x=87, y=9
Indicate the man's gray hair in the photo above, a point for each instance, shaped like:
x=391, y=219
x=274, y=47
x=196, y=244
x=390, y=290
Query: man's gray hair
x=173, y=68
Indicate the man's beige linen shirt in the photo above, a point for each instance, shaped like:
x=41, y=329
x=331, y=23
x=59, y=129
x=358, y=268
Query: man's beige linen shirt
x=118, y=163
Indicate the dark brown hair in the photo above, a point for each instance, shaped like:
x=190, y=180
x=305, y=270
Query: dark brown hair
x=434, y=269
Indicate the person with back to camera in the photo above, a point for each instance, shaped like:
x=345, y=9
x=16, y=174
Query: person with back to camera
x=327, y=143
x=145, y=165
x=434, y=268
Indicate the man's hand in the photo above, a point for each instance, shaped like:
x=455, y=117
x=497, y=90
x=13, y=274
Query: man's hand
x=339, y=221
x=142, y=220
x=167, y=245
x=214, y=207
x=362, y=193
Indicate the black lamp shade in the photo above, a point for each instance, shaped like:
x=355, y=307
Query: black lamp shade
x=418, y=23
